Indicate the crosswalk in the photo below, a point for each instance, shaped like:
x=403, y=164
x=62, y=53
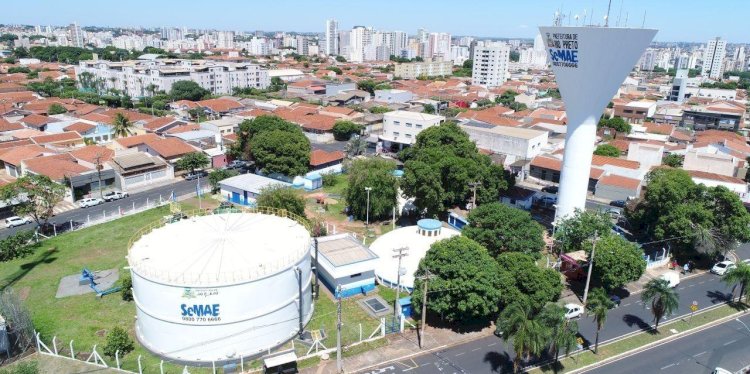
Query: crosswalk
x=63, y=206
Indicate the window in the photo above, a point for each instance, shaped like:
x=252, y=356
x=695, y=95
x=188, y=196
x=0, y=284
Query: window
x=396, y=123
x=419, y=126
x=408, y=124
x=395, y=134
x=408, y=135
x=355, y=275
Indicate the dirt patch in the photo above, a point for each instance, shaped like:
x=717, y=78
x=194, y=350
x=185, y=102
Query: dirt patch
x=101, y=333
x=23, y=293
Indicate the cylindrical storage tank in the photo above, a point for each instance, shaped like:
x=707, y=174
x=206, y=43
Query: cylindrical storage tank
x=218, y=287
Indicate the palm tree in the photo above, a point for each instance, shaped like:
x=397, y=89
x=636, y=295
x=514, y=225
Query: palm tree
x=529, y=335
x=598, y=307
x=739, y=275
x=663, y=299
x=122, y=126
x=563, y=331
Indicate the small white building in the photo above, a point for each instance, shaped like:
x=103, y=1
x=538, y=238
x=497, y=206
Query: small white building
x=401, y=127
x=735, y=185
x=393, y=96
x=244, y=188
x=515, y=142
x=648, y=155
x=286, y=75
x=345, y=262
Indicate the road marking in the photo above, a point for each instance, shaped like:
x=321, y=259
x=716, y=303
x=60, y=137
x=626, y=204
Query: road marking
x=692, y=285
x=698, y=354
x=668, y=366
x=459, y=354
x=475, y=349
x=627, y=304
x=490, y=345
x=702, y=282
x=681, y=288
x=730, y=342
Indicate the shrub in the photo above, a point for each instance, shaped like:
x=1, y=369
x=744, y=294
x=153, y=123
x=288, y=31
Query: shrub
x=329, y=180
x=118, y=340
x=127, y=287
x=31, y=367
x=17, y=245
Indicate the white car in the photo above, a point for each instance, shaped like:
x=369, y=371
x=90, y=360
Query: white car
x=723, y=267
x=16, y=221
x=672, y=277
x=115, y=195
x=90, y=201
x=573, y=311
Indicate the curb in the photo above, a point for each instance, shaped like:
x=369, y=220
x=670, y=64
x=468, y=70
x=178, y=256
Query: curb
x=657, y=343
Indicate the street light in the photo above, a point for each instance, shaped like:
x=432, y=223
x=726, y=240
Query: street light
x=367, y=214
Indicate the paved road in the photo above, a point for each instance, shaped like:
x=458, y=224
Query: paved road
x=81, y=215
x=726, y=346
x=489, y=355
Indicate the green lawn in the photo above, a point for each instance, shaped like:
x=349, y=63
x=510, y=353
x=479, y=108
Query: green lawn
x=87, y=318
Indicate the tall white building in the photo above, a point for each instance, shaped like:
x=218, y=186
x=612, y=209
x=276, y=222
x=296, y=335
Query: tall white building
x=332, y=38
x=649, y=59
x=225, y=40
x=713, y=59
x=360, y=37
x=399, y=41
x=344, y=38
x=490, y=65
x=440, y=45
x=76, y=35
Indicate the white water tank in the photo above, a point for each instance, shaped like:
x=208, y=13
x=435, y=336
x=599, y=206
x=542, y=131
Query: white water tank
x=218, y=287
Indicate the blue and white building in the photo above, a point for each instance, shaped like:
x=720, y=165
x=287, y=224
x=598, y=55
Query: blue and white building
x=244, y=189
x=345, y=262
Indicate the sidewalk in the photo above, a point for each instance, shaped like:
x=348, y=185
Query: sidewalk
x=150, y=186
x=398, y=346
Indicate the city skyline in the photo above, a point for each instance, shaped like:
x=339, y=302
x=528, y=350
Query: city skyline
x=484, y=19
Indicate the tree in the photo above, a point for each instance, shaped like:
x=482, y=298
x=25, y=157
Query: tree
x=127, y=287
x=118, y=342
x=506, y=98
x=468, y=64
x=219, y=175
x=530, y=284
x=121, y=126
x=528, y=336
x=286, y=152
x=192, y=161
x=18, y=245
x=335, y=70
x=574, y=231
x=36, y=195
x=616, y=123
x=662, y=298
x=598, y=307
x=674, y=160
x=440, y=165
x=340, y=59
x=465, y=284
x=282, y=197
x=607, y=150
x=343, y=130
x=56, y=109
x=8, y=39
x=514, y=56
x=356, y=146
x=188, y=90
x=501, y=228
x=377, y=174
x=739, y=275
x=367, y=85
x=429, y=109
x=616, y=262
x=563, y=332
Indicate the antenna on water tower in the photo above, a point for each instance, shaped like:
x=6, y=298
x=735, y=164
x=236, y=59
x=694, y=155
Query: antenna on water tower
x=643, y=25
x=620, y=13
x=606, y=18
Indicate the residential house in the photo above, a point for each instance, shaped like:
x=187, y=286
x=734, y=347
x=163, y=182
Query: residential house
x=77, y=179
x=36, y=122
x=12, y=158
x=326, y=162
x=616, y=187
x=134, y=169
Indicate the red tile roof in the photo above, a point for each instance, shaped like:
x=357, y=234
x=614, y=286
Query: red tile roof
x=716, y=177
x=547, y=163
x=63, y=137
x=36, y=120
x=132, y=141
x=7, y=126
x=620, y=181
x=80, y=127
x=14, y=143
x=170, y=147
x=90, y=153
x=14, y=156
x=220, y=105
x=56, y=167
x=158, y=123
x=614, y=161
x=320, y=157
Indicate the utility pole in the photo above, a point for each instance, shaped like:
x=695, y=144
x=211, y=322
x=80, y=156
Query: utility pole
x=367, y=220
x=591, y=266
x=317, y=274
x=339, y=363
x=401, y=253
x=99, y=167
x=426, y=279
x=473, y=186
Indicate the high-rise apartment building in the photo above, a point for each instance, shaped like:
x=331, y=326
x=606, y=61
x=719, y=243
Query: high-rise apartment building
x=225, y=39
x=713, y=59
x=76, y=35
x=440, y=45
x=360, y=38
x=490, y=65
x=331, y=43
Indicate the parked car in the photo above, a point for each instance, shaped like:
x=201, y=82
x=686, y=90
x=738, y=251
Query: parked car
x=615, y=300
x=723, y=267
x=617, y=203
x=719, y=370
x=548, y=200
x=90, y=201
x=114, y=195
x=236, y=164
x=573, y=310
x=16, y=221
x=550, y=189
x=196, y=175
x=672, y=277
x=614, y=213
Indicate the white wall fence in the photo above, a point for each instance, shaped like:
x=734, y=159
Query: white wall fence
x=658, y=258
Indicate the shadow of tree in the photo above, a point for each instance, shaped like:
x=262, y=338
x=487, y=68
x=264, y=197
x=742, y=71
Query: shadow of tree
x=718, y=296
x=499, y=362
x=631, y=320
x=42, y=258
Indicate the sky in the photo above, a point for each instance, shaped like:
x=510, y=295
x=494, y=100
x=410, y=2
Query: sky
x=676, y=20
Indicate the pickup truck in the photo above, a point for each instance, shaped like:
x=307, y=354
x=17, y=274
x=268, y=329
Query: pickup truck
x=115, y=195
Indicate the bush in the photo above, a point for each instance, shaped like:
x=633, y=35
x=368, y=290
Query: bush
x=118, y=340
x=343, y=130
x=31, y=367
x=127, y=287
x=17, y=245
x=329, y=180
x=607, y=150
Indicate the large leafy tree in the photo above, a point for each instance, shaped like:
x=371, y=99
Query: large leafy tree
x=219, y=175
x=343, y=130
x=33, y=195
x=662, y=299
x=188, y=90
x=121, y=126
x=281, y=150
x=563, y=332
x=598, y=307
x=192, y=161
x=575, y=231
x=607, y=150
x=616, y=123
x=56, y=109
x=465, y=283
x=440, y=165
x=708, y=219
x=501, y=228
x=282, y=197
x=739, y=275
x=617, y=262
x=532, y=285
x=528, y=336
x=377, y=174
x=249, y=128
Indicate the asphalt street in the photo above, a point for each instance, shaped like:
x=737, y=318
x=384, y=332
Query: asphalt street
x=490, y=355
x=137, y=200
x=726, y=346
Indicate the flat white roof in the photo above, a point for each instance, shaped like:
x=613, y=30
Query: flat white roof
x=514, y=132
x=219, y=249
x=414, y=115
x=250, y=182
x=284, y=72
x=383, y=247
